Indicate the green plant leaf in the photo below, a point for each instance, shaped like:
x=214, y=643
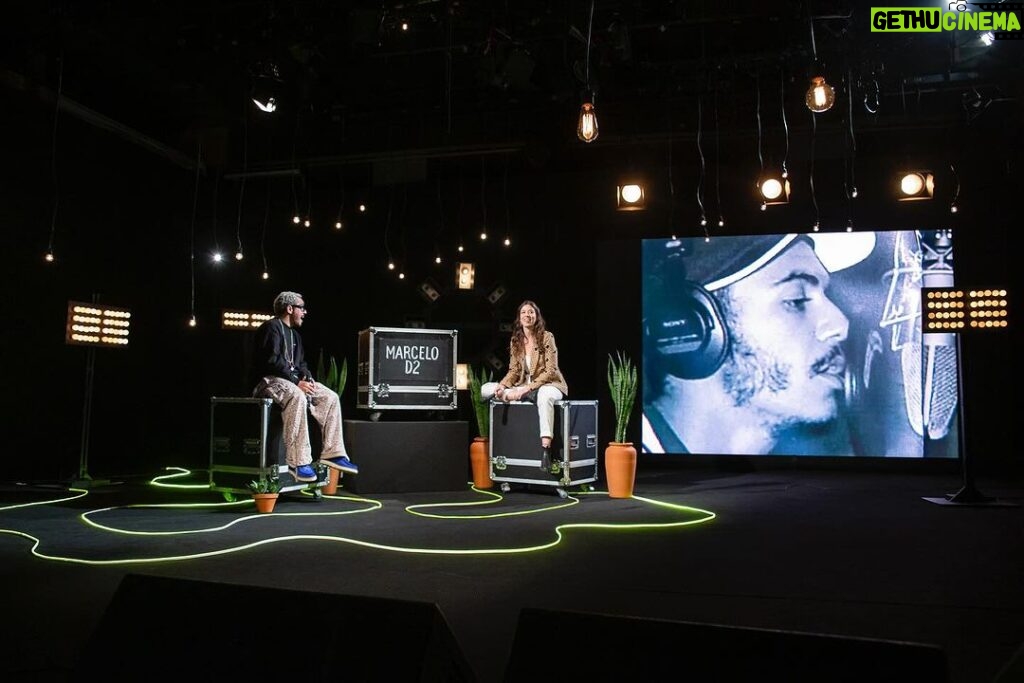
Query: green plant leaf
x=342, y=376
x=320, y=366
x=622, y=385
x=481, y=410
x=331, y=380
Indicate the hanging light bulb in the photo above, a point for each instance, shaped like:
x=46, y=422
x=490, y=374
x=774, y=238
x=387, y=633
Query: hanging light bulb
x=306, y=223
x=296, y=220
x=721, y=222
x=192, y=321
x=483, y=235
x=586, y=127
x=217, y=257
x=391, y=265
x=820, y=96
x=401, y=276
x=461, y=249
x=238, y=255
x=338, y=225
x=362, y=208
x=266, y=275
x=508, y=242
x=49, y=257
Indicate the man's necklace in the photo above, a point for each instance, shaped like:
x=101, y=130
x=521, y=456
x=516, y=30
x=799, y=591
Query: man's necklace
x=289, y=346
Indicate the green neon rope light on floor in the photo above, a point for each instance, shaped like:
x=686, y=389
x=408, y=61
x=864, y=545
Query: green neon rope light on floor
x=178, y=473
x=559, y=530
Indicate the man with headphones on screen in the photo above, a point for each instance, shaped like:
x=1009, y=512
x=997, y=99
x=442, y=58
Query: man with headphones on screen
x=741, y=341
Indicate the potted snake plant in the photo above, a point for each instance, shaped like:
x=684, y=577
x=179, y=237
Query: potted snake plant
x=620, y=455
x=479, y=450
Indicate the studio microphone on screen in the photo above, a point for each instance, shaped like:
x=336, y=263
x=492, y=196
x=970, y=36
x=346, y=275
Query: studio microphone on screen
x=928, y=363
x=939, y=373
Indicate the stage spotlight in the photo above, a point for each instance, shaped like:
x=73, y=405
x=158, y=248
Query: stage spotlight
x=242, y=320
x=462, y=376
x=630, y=197
x=465, y=274
x=496, y=294
x=429, y=290
x=774, y=190
x=266, y=83
x=950, y=309
x=916, y=185
x=96, y=325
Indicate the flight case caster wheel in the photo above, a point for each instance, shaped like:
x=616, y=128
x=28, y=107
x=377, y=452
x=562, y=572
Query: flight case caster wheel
x=318, y=495
x=562, y=493
x=505, y=487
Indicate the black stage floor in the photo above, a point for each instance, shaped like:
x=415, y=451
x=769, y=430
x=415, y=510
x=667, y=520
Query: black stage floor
x=857, y=555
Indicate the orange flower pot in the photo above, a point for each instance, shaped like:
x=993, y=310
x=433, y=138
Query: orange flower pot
x=265, y=502
x=620, y=469
x=479, y=458
x=331, y=487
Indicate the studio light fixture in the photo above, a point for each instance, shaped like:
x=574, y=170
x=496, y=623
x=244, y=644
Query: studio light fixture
x=430, y=290
x=242, y=320
x=96, y=325
x=630, y=197
x=462, y=376
x=774, y=189
x=465, y=275
x=916, y=186
x=266, y=83
x=496, y=294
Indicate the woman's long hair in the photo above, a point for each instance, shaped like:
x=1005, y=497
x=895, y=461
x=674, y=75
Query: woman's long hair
x=519, y=334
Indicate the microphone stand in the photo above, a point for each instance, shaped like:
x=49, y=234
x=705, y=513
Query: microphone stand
x=968, y=495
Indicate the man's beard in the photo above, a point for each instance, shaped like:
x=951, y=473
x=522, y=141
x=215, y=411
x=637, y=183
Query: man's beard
x=747, y=371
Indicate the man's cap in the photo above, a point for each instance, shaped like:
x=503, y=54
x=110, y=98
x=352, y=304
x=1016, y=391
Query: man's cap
x=722, y=261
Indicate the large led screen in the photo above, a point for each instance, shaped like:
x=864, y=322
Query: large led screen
x=792, y=344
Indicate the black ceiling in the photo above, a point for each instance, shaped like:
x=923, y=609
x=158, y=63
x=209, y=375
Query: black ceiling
x=471, y=76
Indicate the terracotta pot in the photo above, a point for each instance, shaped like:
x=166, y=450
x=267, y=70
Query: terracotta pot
x=331, y=487
x=265, y=502
x=479, y=458
x=620, y=469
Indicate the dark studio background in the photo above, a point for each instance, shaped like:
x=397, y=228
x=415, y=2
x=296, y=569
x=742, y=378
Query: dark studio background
x=372, y=115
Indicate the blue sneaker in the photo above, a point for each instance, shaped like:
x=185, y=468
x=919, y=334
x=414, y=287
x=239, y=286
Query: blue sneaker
x=303, y=473
x=340, y=462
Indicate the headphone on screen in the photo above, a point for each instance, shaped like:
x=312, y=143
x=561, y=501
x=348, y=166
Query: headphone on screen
x=684, y=332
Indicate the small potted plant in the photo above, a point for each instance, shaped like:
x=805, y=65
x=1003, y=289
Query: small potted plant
x=479, y=451
x=265, y=491
x=620, y=455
